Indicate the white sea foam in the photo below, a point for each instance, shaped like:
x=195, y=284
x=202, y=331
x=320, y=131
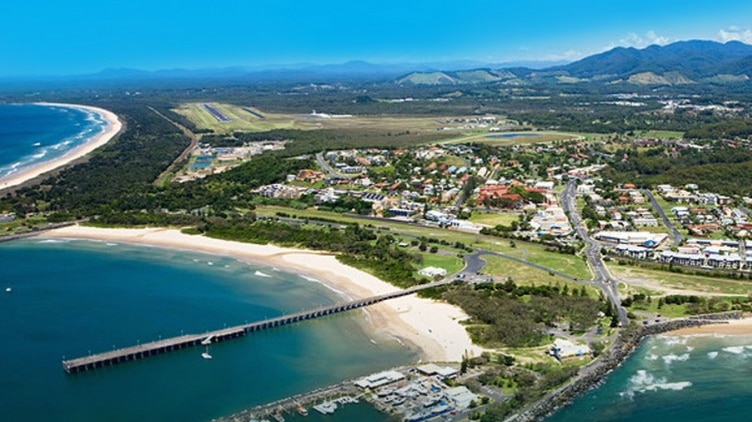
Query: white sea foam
x=651, y=356
x=643, y=381
x=111, y=244
x=672, y=341
x=737, y=350
x=52, y=241
x=669, y=359
x=260, y=274
x=712, y=355
x=210, y=263
x=309, y=278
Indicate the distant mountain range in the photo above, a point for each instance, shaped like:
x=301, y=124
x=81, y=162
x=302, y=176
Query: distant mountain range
x=680, y=63
x=302, y=72
x=684, y=62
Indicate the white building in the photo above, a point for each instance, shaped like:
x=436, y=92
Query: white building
x=433, y=272
x=460, y=396
x=380, y=379
x=646, y=239
x=562, y=349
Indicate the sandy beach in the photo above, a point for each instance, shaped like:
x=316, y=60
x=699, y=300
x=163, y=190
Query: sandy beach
x=432, y=328
x=734, y=327
x=111, y=129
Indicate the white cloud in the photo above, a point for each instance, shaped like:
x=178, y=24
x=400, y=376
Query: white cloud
x=735, y=34
x=566, y=56
x=640, y=41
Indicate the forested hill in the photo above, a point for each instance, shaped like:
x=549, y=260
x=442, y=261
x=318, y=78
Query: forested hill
x=695, y=60
x=680, y=63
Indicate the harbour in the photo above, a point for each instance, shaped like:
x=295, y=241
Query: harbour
x=408, y=393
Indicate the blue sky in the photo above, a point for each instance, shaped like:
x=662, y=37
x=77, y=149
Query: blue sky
x=50, y=37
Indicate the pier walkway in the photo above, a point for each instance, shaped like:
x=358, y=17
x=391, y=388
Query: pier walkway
x=161, y=346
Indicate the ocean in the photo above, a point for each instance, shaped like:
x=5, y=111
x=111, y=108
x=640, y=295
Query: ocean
x=687, y=379
x=32, y=134
x=71, y=298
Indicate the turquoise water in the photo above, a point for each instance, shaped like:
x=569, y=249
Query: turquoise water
x=70, y=298
x=32, y=134
x=688, y=379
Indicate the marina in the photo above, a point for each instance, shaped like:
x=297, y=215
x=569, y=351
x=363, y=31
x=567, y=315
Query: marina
x=413, y=394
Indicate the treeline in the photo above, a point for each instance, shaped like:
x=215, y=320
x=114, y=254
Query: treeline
x=501, y=317
x=721, y=130
x=620, y=120
x=116, y=175
x=118, y=181
x=358, y=246
x=313, y=141
x=718, y=168
x=693, y=304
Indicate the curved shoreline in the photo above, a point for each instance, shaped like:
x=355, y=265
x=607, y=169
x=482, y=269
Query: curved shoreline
x=112, y=127
x=626, y=343
x=431, y=327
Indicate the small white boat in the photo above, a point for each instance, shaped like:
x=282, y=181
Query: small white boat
x=8, y=290
x=206, y=354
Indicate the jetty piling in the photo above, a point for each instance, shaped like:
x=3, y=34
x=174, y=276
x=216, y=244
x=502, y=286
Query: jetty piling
x=161, y=346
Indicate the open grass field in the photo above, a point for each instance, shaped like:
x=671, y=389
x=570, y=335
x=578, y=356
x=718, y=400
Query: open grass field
x=451, y=263
x=676, y=283
x=523, y=275
x=569, y=264
x=516, y=138
x=242, y=120
x=494, y=219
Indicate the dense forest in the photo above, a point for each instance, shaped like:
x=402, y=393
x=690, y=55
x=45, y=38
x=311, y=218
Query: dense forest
x=722, y=168
x=720, y=130
x=501, y=318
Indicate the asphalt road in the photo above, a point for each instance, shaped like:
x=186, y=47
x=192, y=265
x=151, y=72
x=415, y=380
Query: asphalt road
x=603, y=278
x=328, y=169
x=676, y=236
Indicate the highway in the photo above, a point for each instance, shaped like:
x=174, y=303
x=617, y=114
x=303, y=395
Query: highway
x=676, y=236
x=603, y=278
x=329, y=170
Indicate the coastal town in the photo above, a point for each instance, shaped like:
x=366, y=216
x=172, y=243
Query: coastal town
x=375, y=212
x=553, y=194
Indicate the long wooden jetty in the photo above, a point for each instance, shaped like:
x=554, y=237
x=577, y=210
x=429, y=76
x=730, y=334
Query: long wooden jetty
x=162, y=346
